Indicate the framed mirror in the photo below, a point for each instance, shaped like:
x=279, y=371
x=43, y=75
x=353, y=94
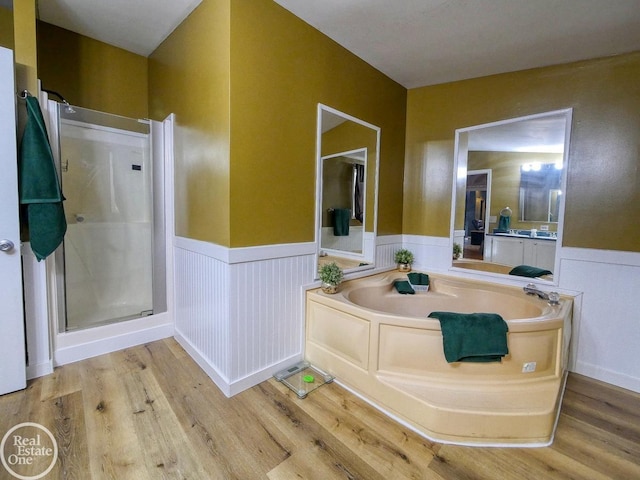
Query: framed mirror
x=347, y=162
x=508, y=200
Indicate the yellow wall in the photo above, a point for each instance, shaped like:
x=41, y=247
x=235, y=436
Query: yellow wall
x=603, y=195
x=92, y=74
x=24, y=28
x=189, y=76
x=6, y=28
x=281, y=68
x=247, y=75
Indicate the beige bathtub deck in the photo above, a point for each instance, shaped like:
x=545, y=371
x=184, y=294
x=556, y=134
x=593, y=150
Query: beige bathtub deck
x=395, y=360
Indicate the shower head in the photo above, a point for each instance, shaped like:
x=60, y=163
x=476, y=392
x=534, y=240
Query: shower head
x=67, y=107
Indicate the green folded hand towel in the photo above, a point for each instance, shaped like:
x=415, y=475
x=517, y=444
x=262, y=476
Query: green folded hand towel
x=403, y=287
x=527, y=271
x=473, y=337
x=417, y=278
x=39, y=185
x=341, y=218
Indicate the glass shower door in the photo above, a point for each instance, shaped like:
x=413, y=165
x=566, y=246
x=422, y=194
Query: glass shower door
x=107, y=181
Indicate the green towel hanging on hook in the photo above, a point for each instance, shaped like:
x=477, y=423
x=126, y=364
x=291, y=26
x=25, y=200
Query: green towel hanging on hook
x=39, y=186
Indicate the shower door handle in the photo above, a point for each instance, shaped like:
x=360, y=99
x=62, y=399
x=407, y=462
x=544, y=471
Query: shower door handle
x=6, y=245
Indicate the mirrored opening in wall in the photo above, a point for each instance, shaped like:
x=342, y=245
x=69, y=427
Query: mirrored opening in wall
x=508, y=195
x=346, y=190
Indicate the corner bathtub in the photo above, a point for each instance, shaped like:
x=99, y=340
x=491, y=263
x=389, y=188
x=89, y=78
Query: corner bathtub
x=382, y=346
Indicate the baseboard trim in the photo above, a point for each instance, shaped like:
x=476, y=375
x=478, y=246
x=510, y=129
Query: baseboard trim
x=231, y=388
x=39, y=370
x=75, y=346
x=608, y=376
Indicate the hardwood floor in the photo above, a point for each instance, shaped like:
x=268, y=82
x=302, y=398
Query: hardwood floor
x=149, y=412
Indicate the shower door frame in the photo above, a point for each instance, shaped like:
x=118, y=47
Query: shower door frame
x=68, y=347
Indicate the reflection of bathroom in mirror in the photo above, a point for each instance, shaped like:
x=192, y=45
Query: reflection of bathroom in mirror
x=507, y=197
x=347, y=165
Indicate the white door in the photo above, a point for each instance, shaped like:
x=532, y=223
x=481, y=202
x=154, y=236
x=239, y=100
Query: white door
x=12, y=343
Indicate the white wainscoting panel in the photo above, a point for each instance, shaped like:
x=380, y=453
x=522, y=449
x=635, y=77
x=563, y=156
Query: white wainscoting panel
x=202, y=308
x=386, y=247
x=240, y=312
x=607, y=331
x=267, y=311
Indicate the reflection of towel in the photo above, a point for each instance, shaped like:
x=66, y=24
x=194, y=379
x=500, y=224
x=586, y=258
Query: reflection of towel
x=39, y=186
x=473, y=337
x=527, y=271
x=504, y=222
x=403, y=287
x=341, y=217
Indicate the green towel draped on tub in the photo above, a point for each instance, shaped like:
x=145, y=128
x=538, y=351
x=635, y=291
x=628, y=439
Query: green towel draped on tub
x=39, y=186
x=403, y=287
x=473, y=337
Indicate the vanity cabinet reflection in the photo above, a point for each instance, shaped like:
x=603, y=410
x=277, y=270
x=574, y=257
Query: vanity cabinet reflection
x=520, y=251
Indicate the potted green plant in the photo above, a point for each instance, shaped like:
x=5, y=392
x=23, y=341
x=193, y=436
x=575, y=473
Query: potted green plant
x=404, y=259
x=331, y=276
x=457, y=251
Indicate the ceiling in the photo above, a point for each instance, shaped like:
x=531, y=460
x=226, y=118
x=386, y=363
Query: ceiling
x=138, y=26
x=414, y=42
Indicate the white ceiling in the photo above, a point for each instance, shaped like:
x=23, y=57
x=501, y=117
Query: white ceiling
x=138, y=26
x=424, y=42
x=415, y=42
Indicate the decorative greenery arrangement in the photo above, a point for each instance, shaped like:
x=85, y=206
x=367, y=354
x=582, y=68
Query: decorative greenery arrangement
x=331, y=273
x=404, y=256
x=457, y=251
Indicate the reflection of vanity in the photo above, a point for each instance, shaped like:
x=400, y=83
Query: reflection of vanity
x=517, y=250
x=525, y=162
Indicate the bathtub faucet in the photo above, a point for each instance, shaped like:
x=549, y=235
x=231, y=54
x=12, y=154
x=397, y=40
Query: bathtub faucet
x=552, y=297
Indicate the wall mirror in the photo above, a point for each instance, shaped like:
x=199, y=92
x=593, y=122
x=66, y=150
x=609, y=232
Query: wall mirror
x=508, y=200
x=347, y=189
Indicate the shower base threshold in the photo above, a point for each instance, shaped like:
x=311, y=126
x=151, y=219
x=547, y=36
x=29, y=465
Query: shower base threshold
x=98, y=318
x=303, y=378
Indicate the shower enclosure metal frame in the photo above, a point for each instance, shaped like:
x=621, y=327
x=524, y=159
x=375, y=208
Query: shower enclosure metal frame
x=156, y=259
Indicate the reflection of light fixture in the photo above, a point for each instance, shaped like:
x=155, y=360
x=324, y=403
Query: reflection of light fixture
x=532, y=167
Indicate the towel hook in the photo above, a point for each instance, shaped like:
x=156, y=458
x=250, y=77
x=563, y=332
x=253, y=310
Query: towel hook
x=24, y=94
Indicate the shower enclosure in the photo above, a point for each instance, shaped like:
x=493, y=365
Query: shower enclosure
x=105, y=264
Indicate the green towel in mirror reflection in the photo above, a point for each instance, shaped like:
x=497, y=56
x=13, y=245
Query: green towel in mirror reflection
x=341, y=218
x=504, y=222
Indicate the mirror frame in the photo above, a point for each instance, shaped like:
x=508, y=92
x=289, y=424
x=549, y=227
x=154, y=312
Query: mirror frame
x=368, y=244
x=460, y=175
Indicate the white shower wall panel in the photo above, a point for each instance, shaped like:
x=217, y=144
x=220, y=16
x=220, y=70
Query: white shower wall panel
x=105, y=174
x=100, y=285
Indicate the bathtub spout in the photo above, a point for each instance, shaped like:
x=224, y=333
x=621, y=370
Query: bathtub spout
x=552, y=297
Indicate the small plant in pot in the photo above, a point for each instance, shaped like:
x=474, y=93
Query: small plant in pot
x=404, y=259
x=331, y=276
x=457, y=251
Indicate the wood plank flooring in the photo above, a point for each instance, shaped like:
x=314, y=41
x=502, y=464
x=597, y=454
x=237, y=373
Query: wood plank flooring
x=150, y=412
